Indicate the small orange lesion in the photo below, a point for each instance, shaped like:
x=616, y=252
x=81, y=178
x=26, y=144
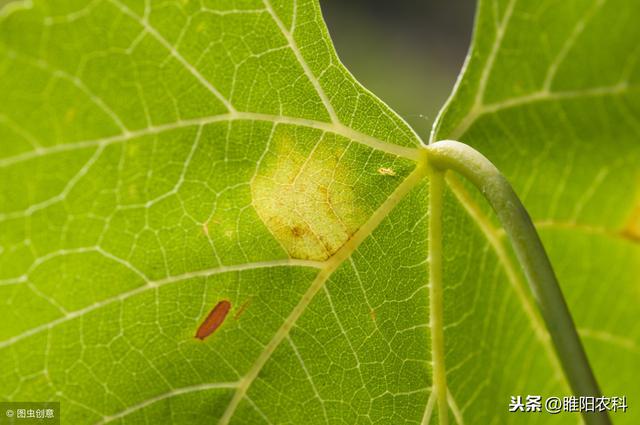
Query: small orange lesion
x=242, y=308
x=373, y=315
x=631, y=229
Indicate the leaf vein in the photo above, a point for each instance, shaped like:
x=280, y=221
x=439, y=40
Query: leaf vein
x=152, y=285
x=318, y=283
x=361, y=138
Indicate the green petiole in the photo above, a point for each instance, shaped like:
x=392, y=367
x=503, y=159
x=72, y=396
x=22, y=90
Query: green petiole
x=458, y=157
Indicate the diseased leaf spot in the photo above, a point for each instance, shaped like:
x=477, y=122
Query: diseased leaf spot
x=214, y=319
x=632, y=228
x=205, y=228
x=298, y=231
x=386, y=171
x=301, y=195
x=242, y=309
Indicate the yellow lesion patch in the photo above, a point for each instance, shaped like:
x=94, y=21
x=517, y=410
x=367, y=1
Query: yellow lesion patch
x=205, y=228
x=386, y=171
x=631, y=229
x=301, y=195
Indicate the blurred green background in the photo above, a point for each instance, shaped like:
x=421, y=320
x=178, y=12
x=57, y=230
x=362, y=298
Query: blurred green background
x=407, y=52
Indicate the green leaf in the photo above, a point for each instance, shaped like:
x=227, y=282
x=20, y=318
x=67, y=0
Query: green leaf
x=157, y=158
x=550, y=94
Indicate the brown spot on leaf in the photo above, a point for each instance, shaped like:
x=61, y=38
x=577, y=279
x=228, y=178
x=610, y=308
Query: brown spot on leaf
x=213, y=320
x=298, y=231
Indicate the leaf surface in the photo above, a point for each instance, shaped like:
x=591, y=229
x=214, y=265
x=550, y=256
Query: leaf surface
x=550, y=94
x=159, y=158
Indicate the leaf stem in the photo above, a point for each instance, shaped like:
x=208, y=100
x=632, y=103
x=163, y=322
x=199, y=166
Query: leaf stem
x=456, y=156
x=436, y=186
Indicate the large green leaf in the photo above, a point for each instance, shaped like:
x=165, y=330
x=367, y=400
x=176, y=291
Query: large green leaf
x=550, y=93
x=157, y=158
